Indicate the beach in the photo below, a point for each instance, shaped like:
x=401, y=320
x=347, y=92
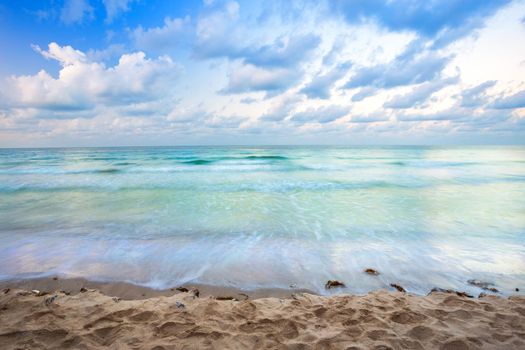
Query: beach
x=262, y=247
x=247, y=174
x=90, y=319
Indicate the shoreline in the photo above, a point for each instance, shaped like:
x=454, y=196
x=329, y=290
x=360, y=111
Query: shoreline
x=131, y=291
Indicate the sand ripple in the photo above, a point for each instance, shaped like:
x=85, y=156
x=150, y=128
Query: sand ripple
x=379, y=320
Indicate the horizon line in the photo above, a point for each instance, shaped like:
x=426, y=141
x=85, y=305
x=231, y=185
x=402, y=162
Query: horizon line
x=272, y=145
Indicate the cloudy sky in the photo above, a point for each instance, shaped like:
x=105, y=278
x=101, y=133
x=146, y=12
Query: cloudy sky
x=141, y=72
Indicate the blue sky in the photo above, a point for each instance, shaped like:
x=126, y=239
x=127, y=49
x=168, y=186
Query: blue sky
x=138, y=72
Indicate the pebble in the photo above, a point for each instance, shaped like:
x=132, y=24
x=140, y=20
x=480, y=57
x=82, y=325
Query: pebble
x=398, y=287
x=39, y=293
x=372, y=272
x=483, y=285
x=450, y=291
x=333, y=284
x=51, y=300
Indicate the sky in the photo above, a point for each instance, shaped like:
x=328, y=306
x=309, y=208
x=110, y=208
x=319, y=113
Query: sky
x=151, y=72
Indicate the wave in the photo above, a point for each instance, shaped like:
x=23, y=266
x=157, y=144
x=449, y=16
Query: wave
x=107, y=171
x=266, y=157
x=265, y=187
x=243, y=187
x=198, y=161
x=44, y=171
x=179, y=167
x=124, y=163
x=204, y=161
x=400, y=163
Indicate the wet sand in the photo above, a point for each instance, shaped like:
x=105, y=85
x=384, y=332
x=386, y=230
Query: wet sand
x=100, y=318
x=128, y=291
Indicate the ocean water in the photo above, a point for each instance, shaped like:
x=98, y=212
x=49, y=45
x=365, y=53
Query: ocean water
x=258, y=217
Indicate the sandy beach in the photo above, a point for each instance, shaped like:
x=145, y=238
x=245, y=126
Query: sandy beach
x=250, y=174
x=141, y=318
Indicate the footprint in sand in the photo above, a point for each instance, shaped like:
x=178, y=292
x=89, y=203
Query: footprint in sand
x=421, y=332
x=455, y=345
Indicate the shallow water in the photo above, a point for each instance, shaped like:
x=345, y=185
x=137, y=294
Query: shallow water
x=267, y=217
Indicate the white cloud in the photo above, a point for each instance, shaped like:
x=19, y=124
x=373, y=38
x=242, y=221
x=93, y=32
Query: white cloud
x=496, y=52
x=276, y=69
x=115, y=7
x=218, y=33
x=158, y=38
x=76, y=11
x=320, y=85
x=516, y=100
x=325, y=114
x=65, y=55
x=281, y=109
x=247, y=77
x=420, y=93
x=86, y=85
x=187, y=115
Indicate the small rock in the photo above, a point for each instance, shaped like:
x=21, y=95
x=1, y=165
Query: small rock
x=65, y=292
x=7, y=290
x=439, y=290
x=450, y=291
x=51, y=300
x=333, y=284
x=39, y=293
x=195, y=292
x=182, y=289
x=483, y=285
x=83, y=290
x=398, y=287
x=517, y=289
x=464, y=294
x=246, y=296
x=180, y=305
x=372, y=272
x=115, y=299
x=293, y=285
x=226, y=298
x=55, y=278
x=482, y=295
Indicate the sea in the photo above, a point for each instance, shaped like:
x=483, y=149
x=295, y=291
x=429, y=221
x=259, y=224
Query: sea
x=267, y=217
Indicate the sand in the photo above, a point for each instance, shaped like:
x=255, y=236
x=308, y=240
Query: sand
x=130, y=291
x=378, y=320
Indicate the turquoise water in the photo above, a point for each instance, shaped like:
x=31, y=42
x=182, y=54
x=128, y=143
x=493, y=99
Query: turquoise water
x=267, y=217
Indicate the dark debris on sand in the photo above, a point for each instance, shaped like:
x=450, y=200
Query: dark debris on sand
x=398, y=287
x=483, y=285
x=450, y=291
x=372, y=272
x=226, y=298
x=333, y=284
